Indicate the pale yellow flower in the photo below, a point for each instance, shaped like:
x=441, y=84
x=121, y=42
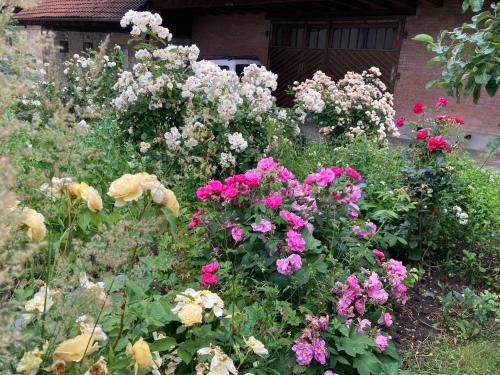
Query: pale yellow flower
x=125, y=189
x=75, y=189
x=73, y=350
x=87, y=325
x=142, y=354
x=257, y=346
x=41, y=301
x=221, y=363
x=31, y=361
x=92, y=197
x=190, y=314
x=35, y=223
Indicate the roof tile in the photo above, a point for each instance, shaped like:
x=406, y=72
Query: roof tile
x=109, y=10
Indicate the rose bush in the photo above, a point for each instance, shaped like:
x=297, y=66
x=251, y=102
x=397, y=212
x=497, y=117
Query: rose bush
x=356, y=104
x=198, y=119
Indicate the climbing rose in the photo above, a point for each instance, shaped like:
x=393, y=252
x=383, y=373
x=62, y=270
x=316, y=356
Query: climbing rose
x=422, y=134
x=380, y=255
x=264, y=226
x=418, y=108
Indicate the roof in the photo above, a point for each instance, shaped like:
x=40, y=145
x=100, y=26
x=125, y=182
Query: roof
x=95, y=10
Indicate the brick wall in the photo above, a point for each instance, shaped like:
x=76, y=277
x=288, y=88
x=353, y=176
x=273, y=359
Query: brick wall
x=232, y=35
x=76, y=40
x=483, y=117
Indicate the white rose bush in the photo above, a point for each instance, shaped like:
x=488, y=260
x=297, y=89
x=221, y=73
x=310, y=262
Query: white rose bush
x=201, y=120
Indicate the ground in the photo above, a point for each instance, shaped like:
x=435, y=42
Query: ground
x=427, y=345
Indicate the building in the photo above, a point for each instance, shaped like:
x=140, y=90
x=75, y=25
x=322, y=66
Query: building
x=294, y=38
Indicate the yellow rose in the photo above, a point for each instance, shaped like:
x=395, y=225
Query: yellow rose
x=166, y=198
x=142, y=354
x=35, y=223
x=148, y=181
x=190, y=314
x=125, y=189
x=92, y=197
x=170, y=201
x=75, y=189
x=73, y=350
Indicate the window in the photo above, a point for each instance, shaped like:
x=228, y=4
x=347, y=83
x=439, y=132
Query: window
x=63, y=46
x=359, y=38
x=317, y=37
x=289, y=36
x=88, y=45
x=224, y=67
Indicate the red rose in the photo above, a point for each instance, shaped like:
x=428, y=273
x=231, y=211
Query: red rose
x=422, y=134
x=418, y=108
x=400, y=122
x=441, y=102
x=436, y=143
x=458, y=120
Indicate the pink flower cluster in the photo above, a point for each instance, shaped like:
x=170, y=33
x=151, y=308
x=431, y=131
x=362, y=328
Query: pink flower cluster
x=208, y=276
x=310, y=345
x=369, y=230
x=396, y=274
x=271, y=187
x=289, y=265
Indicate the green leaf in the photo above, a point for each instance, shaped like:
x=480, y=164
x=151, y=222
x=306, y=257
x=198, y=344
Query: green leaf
x=367, y=364
x=354, y=345
x=492, y=146
x=84, y=220
x=491, y=87
x=162, y=345
x=426, y=38
x=172, y=221
x=476, y=5
x=482, y=79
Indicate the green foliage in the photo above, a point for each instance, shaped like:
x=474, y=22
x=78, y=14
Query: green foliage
x=470, y=53
x=467, y=313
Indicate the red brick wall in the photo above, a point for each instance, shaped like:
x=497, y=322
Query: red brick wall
x=232, y=35
x=482, y=117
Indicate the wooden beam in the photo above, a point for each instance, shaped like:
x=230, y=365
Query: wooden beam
x=436, y=3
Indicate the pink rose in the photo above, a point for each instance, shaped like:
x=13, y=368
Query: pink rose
x=237, y=233
x=208, y=279
x=386, y=319
x=380, y=255
x=273, y=200
x=295, y=241
x=210, y=267
x=382, y=342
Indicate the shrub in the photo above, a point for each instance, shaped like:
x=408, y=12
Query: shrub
x=356, y=104
x=202, y=120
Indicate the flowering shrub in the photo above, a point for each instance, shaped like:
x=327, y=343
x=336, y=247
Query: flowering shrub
x=429, y=175
x=356, y=104
x=201, y=119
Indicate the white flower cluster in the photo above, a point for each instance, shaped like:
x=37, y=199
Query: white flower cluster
x=143, y=22
x=237, y=142
x=356, y=104
x=462, y=216
x=205, y=107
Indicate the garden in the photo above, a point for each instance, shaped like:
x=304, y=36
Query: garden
x=172, y=218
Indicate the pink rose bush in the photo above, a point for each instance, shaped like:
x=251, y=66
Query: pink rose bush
x=272, y=230
x=269, y=209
